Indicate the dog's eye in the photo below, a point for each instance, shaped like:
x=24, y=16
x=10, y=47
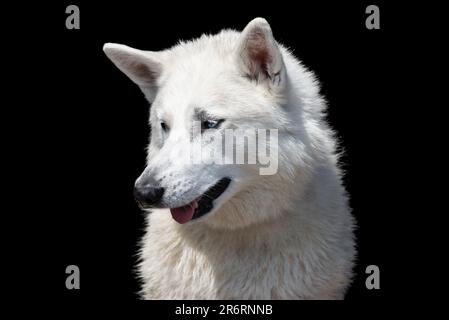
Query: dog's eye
x=211, y=124
x=164, y=126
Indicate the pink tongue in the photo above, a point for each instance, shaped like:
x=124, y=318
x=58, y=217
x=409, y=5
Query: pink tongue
x=184, y=214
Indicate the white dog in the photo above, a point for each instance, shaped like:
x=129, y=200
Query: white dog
x=225, y=230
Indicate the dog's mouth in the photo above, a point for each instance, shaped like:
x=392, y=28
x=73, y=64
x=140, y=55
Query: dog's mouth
x=201, y=205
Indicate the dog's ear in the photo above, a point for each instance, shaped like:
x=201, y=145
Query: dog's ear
x=142, y=67
x=259, y=54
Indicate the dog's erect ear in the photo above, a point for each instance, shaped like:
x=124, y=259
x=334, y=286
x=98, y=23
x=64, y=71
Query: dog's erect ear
x=259, y=54
x=142, y=67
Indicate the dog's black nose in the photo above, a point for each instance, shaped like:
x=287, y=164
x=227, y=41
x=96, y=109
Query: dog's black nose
x=148, y=196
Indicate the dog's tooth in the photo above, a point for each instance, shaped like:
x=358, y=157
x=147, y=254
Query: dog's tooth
x=193, y=204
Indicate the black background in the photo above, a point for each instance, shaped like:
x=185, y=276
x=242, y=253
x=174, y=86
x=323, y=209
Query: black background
x=89, y=128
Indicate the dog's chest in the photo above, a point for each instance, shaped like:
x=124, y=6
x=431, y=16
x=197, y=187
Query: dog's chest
x=223, y=265
x=208, y=267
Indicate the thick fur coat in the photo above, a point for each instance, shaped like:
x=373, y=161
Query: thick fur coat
x=287, y=235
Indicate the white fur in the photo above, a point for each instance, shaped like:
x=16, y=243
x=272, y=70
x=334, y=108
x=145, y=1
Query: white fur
x=284, y=236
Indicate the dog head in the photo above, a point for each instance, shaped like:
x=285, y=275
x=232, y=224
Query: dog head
x=232, y=85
